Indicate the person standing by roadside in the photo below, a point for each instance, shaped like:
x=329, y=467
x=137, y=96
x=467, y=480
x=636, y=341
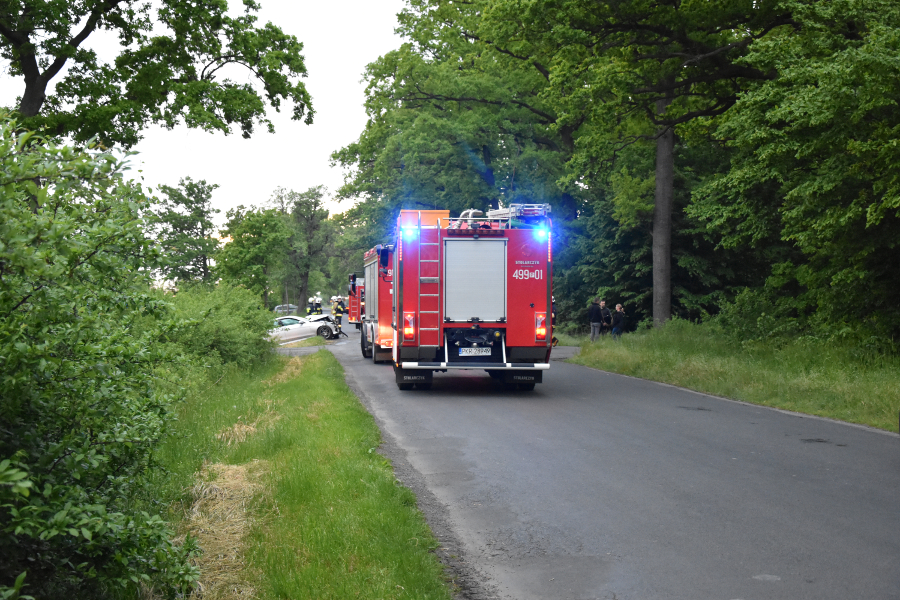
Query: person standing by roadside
x=595, y=318
x=618, y=322
x=337, y=311
x=605, y=318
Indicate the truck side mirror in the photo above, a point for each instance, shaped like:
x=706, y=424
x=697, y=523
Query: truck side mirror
x=384, y=257
x=352, y=287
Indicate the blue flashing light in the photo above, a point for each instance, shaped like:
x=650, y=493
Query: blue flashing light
x=409, y=233
x=540, y=234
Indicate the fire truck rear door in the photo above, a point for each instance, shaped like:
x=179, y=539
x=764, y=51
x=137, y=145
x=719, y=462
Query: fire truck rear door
x=475, y=279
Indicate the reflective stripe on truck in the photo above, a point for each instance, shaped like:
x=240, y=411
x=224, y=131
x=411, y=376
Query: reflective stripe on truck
x=474, y=365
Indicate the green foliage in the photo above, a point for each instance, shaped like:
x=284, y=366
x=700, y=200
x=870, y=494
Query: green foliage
x=816, y=161
x=310, y=235
x=256, y=247
x=757, y=316
x=185, y=231
x=169, y=68
x=79, y=407
x=833, y=379
x=785, y=116
x=633, y=197
x=453, y=124
x=221, y=324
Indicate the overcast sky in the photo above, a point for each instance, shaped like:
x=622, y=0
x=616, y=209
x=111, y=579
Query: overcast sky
x=340, y=37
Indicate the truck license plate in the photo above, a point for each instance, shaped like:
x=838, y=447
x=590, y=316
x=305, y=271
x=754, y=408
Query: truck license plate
x=474, y=351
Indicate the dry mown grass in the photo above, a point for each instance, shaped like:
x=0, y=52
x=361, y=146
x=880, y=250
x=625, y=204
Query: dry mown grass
x=291, y=369
x=225, y=502
x=221, y=518
x=240, y=431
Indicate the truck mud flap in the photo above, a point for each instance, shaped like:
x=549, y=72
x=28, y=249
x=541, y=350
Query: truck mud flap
x=523, y=377
x=418, y=376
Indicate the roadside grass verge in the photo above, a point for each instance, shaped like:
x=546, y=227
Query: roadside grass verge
x=315, y=340
x=566, y=339
x=805, y=376
x=284, y=460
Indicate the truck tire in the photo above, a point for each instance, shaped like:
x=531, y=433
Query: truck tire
x=364, y=344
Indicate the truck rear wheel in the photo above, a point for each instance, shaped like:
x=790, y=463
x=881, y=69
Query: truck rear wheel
x=364, y=344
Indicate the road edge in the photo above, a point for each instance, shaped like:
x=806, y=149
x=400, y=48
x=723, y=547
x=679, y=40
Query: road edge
x=465, y=581
x=868, y=428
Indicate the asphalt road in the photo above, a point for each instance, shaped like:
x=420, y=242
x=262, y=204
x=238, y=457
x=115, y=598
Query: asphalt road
x=602, y=486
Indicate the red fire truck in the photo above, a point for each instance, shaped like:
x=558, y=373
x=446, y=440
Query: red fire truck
x=377, y=335
x=473, y=292
x=356, y=300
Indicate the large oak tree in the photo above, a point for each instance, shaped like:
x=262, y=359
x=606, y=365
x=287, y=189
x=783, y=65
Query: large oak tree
x=174, y=63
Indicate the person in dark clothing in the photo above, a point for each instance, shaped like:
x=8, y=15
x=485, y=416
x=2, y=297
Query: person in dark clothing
x=619, y=322
x=595, y=318
x=337, y=312
x=605, y=318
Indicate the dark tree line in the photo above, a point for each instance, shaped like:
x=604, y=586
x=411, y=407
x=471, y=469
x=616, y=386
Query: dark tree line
x=692, y=152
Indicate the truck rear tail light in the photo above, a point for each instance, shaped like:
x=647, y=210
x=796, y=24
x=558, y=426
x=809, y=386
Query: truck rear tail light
x=409, y=327
x=540, y=327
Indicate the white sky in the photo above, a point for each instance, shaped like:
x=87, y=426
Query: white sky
x=340, y=38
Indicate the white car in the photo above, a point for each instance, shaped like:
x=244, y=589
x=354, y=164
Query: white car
x=289, y=329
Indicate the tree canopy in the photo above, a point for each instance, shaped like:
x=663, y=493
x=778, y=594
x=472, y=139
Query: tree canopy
x=743, y=145
x=185, y=230
x=255, y=244
x=177, y=61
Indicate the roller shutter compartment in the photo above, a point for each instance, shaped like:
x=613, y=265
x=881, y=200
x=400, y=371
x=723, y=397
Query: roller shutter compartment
x=475, y=279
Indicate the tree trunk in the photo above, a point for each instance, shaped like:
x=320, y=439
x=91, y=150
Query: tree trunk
x=33, y=98
x=662, y=221
x=304, y=289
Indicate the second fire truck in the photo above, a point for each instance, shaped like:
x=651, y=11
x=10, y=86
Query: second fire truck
x=356, y=300
x=376, y=333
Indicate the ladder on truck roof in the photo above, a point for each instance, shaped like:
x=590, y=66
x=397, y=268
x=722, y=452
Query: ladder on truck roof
x=519, y=210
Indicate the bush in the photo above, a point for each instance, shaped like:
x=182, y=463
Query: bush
x=223, y=324
x=81, y=410
x=756, y=315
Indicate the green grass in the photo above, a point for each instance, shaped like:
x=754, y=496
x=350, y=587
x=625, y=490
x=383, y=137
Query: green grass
x=333, y=522
x=803, y=376
x=568, y=340
x=316, y=340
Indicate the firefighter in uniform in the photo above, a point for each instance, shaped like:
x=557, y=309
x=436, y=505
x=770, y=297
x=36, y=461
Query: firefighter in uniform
x=318, y=305
x=337, y=312
x=311, y=306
